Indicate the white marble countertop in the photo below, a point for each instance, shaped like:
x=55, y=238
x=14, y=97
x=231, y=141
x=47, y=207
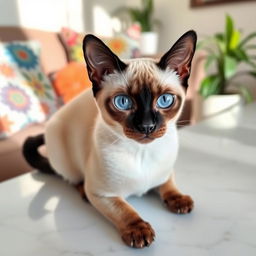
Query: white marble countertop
x=42, y=215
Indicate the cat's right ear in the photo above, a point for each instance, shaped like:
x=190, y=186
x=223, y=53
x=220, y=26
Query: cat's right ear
x=180, y=56
x=100, y=60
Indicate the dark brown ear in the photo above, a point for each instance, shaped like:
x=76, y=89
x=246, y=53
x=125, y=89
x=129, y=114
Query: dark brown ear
x=179, y=57
x=100, y=60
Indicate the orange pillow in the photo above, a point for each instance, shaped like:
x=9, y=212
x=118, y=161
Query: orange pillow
x=71, y=80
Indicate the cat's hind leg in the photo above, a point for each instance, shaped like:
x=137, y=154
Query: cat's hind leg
x=174, y=200
x=81, y=190
x=62, y=153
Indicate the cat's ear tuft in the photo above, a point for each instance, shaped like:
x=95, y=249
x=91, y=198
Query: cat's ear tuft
x=100, y=60
x=180, y=56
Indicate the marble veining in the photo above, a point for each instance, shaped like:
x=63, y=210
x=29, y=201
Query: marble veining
x=42, y=215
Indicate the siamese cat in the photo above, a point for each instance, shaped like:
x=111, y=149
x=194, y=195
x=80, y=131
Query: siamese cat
x=120, y=138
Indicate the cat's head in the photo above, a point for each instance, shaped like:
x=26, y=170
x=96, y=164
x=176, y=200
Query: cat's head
x=139, y=97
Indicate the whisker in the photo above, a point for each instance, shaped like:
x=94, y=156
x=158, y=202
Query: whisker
x=114, y=142
x=183, y=121
x=182, y=124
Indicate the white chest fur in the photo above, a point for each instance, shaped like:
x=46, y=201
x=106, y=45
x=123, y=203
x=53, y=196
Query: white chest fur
x=128, y=167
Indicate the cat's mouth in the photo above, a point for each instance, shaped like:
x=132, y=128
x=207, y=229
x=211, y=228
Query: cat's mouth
x=144, y=138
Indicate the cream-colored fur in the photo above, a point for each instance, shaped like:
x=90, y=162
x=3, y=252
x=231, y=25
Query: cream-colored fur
x=118, y=151
x=81, y=146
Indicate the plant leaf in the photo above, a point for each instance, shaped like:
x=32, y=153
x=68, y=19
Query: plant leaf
x=220, y=37
x=253, y=73
x=135, y=14
x=235, y=38
x=230, y=66
x=204, y=45
x=247, y=39
x=220, y=42
x=200, y=45
x=205, y=42
x=209, y=60
x=147, y=10
x=229, y=31
x=251, y=63
x=148, y=6
x=247, y=95
x=239, y=54
x=210, y=86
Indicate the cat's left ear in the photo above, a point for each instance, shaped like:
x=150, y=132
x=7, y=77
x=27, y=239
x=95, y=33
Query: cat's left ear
x=100, y=60
x=180, y=56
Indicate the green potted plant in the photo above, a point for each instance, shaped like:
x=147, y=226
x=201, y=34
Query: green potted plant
x=220, y=91
x=144, y=17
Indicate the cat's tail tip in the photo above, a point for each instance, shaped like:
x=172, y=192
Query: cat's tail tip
x=33, y=157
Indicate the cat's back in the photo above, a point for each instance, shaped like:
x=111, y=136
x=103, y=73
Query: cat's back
x=75, y=120
x=68, y=135
x=82, y=107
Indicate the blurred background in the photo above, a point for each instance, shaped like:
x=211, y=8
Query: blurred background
x=42, y=66
x=96, y=16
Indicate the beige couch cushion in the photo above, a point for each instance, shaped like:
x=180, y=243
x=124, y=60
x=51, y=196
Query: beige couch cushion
x=53, y=56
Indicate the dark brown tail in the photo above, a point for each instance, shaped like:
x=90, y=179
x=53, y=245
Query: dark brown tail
x=32, y=155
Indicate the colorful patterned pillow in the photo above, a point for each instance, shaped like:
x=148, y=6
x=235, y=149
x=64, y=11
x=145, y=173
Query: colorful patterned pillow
x=71, y=81
x=122, y=45
x=26, y=94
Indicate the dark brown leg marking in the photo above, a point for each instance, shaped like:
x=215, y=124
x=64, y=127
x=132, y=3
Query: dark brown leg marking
x=80, y=188
x=138, y=234
x=178, y=203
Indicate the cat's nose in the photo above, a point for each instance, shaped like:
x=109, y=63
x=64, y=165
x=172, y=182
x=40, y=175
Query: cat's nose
x=146, y=128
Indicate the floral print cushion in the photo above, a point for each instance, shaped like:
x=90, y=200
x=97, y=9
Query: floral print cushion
x=26, y=94
x=122, y=45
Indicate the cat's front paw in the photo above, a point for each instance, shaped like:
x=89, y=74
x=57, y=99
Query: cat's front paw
x=138, y=234
x=178, y=203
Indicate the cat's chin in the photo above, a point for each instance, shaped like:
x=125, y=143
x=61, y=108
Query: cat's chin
x=145, y=140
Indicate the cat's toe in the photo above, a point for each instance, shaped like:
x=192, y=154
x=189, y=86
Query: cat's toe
x=138, y=234
x=178, y=203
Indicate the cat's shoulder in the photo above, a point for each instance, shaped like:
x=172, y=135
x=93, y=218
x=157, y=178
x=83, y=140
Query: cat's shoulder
x=82, y=107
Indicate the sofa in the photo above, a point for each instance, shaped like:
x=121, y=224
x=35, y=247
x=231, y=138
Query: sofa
x=53, y=58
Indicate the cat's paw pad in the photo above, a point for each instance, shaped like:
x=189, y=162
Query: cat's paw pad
x=178, y=203
x=138, y=234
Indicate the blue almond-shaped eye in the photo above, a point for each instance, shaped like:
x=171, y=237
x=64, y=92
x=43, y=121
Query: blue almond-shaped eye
x=165, y=100
x=122, y=102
